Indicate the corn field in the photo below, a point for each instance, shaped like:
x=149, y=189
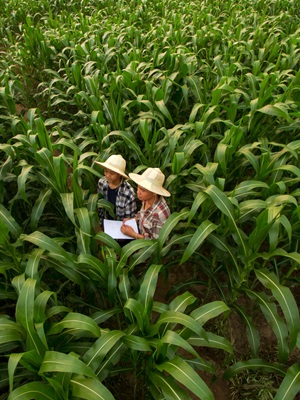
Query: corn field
x=209, y=92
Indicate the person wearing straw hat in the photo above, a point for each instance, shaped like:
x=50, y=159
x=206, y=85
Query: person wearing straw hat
x=116, y=189
x=154, y=211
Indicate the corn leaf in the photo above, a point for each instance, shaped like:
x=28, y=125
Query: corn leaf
x=33, y=390
x=184, y=374
x=254, y=364
x=199, y=236
x=90, y=389
x=286, y=300
x=55, y=361
x=290, y=385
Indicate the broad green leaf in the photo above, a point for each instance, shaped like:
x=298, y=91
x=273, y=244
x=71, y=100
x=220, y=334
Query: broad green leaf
x=142, y=255
x=137, y=309
x=211, y=340
x=84, y=230
x=177, y=318
x=208, y=311
x=98, y=351
x=174, y=339
x=148, y=286
x=255, y=364
x=281, y=253
x=270, y=312
x=277, y=110
x=137, y=343
x=46, y=243
x=90, y=389
x=22, y=179
x=246, y=187
x=290, y=385
x=68, y=203
x=39, y=207
x=179, y=304
x=224, y=204
x=163, y=109
x=252, y=331
x=286, y=300
x=169, y=387
x=40, y=305
x=25, y=316
x=107, y=240
x=33, y=391
x=199, y=236
x=199, y=199
x=169, y=225
x=184, y=374
x=77, y=324
x=12, y=225
x=55, y=361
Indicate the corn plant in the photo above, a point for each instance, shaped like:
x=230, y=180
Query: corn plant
x=208, y=92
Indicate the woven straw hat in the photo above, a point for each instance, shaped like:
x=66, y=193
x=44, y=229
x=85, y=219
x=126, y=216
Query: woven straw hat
x=115, y=163
x=151, y=179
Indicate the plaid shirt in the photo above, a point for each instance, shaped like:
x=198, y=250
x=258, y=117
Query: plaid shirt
x=152, y=219
x=125, y=202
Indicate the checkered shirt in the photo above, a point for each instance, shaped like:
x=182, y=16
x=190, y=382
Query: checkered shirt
x=125, y=201
x=152, y=219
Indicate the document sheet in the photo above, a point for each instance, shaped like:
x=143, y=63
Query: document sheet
x=113, y=228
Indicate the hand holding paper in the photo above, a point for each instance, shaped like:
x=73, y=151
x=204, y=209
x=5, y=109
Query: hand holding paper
x=113, y=228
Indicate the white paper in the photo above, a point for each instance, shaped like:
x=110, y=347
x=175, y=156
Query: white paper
x=113, y=228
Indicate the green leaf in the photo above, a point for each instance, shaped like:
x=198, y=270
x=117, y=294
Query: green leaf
x=255, y=364
x=169, y=387
x=22, y=178
x=270, y=312
x=177, y=318
x=137, y=343
x=39, y=206
x=46, y=243
x=55, y=361
x=33, y=263
x=208, y=311
x=77, y=324
x=286, y=300
x=13, y=227
x=169, y=225
x=213, y=341
x=25, y=316
x=290, y=385
x=90, y=389
x=107, y=240
x=98, y=351
x=252, y=332
x=68, y=203
x=33, y=391
x=148, y=286
x=184, y=374
x=199, y=236
x=224, y=204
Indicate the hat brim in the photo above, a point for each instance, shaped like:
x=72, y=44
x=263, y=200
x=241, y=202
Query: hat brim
x=112, y=168
x=151, y=186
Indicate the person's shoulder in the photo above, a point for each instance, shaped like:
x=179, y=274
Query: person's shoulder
x=102, y=181
x=127, y=185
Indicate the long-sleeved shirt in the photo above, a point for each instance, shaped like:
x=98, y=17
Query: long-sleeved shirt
x=152, y=219
x=125, y=204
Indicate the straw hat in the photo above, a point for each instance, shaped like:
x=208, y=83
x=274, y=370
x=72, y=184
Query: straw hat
x=115, y=163
x=151, y=179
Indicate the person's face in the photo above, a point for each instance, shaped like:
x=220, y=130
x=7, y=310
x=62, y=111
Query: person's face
x=144, y=194
x=112, y=177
